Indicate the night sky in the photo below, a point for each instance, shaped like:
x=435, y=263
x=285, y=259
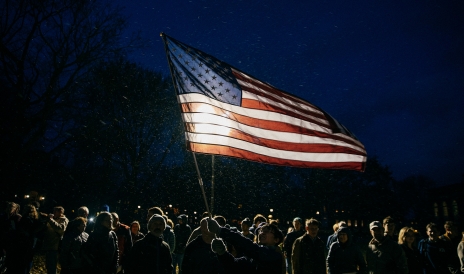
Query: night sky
x=391, y=71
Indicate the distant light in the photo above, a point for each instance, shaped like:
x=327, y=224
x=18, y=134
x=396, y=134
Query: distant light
x=42, y=198
x=138, y=206
x=170, y=205
x=271, y=210
x=270, y=216
x=167, y=213
x=91, y=219
x=26, y=196
x=194, y=212
x=16, y=195
x=317, y=212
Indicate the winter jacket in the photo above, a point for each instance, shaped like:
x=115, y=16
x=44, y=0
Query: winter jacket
x=415, y=260
x=308, y=256
x=170, y=238
x=200, y=259
x=124, y=241
x=149, y=255
x=258, y=258
x=70, y=254
x=385, y=257
x=182, y=233
x=54, y=233
x=437, y=256
x=345, y=258
x=137, y=237
x=289, y=240
x=100, y=252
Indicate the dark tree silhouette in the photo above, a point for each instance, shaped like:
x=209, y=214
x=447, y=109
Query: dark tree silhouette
x=129, y=122
x=47, y=47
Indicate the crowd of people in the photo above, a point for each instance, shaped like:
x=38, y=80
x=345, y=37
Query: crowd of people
x=258, y=246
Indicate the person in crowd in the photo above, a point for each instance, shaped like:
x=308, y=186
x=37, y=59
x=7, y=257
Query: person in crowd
x=334, y=236
x=182, y=231
x=21, y=248
x=245, y=225
x=55, y=226
x=297, y=232
x=84, y=212
x=435, y=252
x=407, y=240
x=73, y=240
x=29, y=226
x=198, y=256
x=168, y=235
x=344, y=256
x=100, y=252
x=135, y=231
x=335, y=227
x=384, y=255
x=309, y=253
x=150, y=254
x=262, y=257
x=259, y=218
x=452, y=238
x=389, y=227
x=9, y=223
x=197, y=230
x=123, y=233
x=461, y=253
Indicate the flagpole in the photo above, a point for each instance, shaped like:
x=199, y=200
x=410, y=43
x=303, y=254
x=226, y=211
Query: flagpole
x=212, y=184
x=200, y=181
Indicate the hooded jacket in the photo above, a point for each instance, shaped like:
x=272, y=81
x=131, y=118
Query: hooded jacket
x=182, y=233
x=345, y=258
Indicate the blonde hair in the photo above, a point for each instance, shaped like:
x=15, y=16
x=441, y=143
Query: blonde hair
x=402, y=236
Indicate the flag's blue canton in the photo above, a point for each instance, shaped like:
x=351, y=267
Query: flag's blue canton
x=195, y=71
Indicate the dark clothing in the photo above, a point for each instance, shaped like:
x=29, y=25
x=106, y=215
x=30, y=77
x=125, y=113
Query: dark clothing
x=331, y=239
x=137, y=237
x=124, y=241
x=346, y=257
x=70, y=255
x=415, y=261
x=289, y=240
x=385, y=257
x=308, y=255
x=258, y=258
x=182, y=233
x=100, y=252
x=455, y=264
x=20, y=245
x=169, y=238
x=149, y=255
x=200, y=259
x=436, y=255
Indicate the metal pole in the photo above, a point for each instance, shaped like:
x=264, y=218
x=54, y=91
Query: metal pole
x=200, y=181
x=212, y=184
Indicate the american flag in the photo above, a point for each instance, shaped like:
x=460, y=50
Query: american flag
x=227, y=112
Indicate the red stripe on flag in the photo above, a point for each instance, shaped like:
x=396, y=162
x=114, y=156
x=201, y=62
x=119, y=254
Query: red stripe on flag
x=249, y=103
x=300, y=147
x=264, y=124
x=240, y=153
